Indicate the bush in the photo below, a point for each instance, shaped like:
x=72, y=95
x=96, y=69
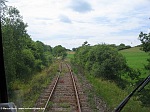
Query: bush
x=101, y=60
x=107, y=62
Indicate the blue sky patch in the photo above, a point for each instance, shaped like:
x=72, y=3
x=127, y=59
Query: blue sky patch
x=64, y=19
x=80, y=6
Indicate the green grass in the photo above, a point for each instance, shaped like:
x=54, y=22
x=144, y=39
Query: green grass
x=70, y=54
x=136, y=59
x=26, y=94
x=113, y=95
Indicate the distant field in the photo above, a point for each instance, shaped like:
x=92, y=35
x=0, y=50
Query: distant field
x=70, y=54
x=136, y=58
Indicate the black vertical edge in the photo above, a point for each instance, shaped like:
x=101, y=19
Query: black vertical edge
x=3, y=84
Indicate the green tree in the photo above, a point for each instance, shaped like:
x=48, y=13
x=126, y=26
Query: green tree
x=106, y=62
x=100, y=60
x=43, y=55
x=48, y=48
x=144, y=95
x=145, y=40
x=9, y=53
x=22, y=56
x=74, y=49
x=123, y=46
x=14, y=31
x=59, y=51
x=103, y=61
x=81, y=55
x=28, y=64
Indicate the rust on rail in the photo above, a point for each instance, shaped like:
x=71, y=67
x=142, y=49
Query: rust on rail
x=75, y=88
x=60, y=69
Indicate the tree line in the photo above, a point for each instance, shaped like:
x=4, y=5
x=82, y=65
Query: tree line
x=118, y=47
x=23, y=57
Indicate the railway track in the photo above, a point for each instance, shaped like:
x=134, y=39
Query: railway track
x=64, y=94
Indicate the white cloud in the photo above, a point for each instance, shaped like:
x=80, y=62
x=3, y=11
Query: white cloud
x=97, y=21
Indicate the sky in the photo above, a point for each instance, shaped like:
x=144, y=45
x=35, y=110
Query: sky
x=72, y=22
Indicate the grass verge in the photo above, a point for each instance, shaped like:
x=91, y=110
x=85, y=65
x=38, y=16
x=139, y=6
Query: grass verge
x=27, y=93
x=113, y=95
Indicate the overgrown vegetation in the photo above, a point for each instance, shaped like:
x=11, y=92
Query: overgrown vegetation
x=59, y=51
x=144, y=95
x=103, y=61
x=22, y=56
x=27, y=62
x=113, y=95
x=105, y=67
x=26, y=94
x=98, y=63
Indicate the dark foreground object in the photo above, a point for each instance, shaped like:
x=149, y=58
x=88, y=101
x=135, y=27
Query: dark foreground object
x=138, y=89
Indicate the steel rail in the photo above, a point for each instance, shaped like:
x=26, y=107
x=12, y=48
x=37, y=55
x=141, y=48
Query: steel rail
x=75, y=88
x=74, y=85
x=52, y=89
